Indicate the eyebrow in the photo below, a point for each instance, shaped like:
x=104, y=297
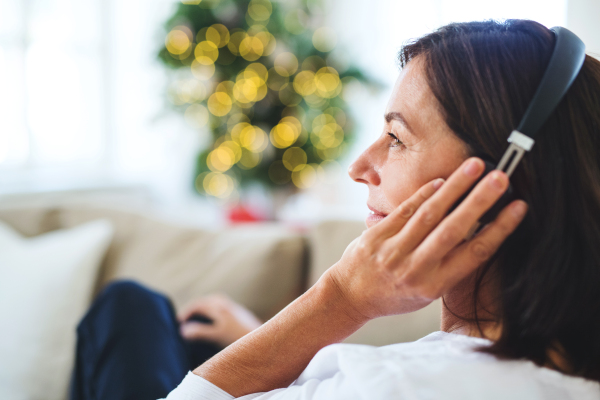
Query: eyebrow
x=397, y=116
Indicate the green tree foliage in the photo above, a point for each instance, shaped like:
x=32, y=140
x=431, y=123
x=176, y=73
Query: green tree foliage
x=264, y=79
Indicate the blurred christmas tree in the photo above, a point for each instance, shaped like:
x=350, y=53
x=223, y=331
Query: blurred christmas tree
x=261, y=75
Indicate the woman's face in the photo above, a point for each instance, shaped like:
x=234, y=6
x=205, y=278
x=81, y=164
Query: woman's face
x=415, y=146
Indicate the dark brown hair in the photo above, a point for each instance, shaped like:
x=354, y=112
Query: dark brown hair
x=484, y=75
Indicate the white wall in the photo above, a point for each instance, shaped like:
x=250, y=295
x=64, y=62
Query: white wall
x=583, y=18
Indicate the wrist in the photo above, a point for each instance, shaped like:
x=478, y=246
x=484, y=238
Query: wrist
x=334, y=295
x=275, y=354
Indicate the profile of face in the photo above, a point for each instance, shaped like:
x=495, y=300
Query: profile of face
x=415, y=146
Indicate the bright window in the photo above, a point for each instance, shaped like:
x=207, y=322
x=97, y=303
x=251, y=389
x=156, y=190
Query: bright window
x=51, y=83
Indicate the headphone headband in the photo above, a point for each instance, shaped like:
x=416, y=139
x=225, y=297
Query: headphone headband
x=565, y=63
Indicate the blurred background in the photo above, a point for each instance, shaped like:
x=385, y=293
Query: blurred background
x=216, y=110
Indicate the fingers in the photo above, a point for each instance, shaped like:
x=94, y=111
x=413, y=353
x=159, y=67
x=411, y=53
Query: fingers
x=467, y=257
x=197, y=307
x=435, y=208
x=396, y=220
x=208, y=305
x=198, y=331
x=454, y=228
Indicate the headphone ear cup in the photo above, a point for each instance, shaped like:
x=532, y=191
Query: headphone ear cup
x=502, y=202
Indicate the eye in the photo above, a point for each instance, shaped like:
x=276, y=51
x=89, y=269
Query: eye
x=396, y=142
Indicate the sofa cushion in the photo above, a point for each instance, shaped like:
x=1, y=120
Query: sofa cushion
x=46, y=285
x=259, y=265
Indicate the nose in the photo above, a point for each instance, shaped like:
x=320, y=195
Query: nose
x=364, y=169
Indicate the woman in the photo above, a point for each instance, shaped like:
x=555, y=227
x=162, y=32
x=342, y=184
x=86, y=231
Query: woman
x=521, y=304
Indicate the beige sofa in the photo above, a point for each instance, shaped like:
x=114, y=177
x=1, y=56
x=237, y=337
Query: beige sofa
x=263, y=266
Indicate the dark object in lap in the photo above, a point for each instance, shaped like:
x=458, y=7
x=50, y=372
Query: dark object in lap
x=129, y=347
x=203, y=319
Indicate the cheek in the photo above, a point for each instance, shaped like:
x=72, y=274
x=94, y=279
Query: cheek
x=399, y=180
x=402, y=178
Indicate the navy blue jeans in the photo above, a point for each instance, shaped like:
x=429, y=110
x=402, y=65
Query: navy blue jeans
x=129, y=347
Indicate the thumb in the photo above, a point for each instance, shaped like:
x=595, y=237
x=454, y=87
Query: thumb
x=198, y=331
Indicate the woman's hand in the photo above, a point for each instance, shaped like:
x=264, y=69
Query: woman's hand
x=417, y=253
x=231, y=320
x=401, y=264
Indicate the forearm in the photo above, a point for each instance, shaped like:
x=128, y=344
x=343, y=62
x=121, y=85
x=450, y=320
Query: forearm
x=275, y=354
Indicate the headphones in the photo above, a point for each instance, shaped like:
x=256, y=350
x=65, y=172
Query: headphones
x=565, y=63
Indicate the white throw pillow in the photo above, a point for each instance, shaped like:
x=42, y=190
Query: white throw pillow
x=46, y=284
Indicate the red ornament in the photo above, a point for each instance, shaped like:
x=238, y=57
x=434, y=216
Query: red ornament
x=241, y=214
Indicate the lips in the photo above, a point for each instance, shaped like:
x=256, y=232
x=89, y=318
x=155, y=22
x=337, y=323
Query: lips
x=376, y=211
x=375, y=215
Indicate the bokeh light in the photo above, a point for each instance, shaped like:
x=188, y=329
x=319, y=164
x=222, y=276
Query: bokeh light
x=326, y=132
x=313, y=63
x=315, y=101
x=338, y=114
x=327, y=82
x=250, y=137
x=224, y=156
x=330, y=154
x=235, y=119
x=196, y=115
x=324, y=39
x=236, y=38
x=234, y=147
x=179, y=40
x=286, y=132
x=304, y=83
x=218, y=34
x=186, y=91
x=245, y=90
x=286, y=64
x=254, y=44
x=260, y=10
x=275, y=81
x=217, y=184
x=219, y=104
x=254, y=139
x=251, y=85
x=293, y=158
x=268, y=41
x=304, y=176
x=202, y=71
x=295, y=21
x=225, y=86
x=288, y=96
x=206, y=52
x=249, y=159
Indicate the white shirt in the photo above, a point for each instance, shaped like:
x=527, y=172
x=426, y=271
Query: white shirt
x=439, y=366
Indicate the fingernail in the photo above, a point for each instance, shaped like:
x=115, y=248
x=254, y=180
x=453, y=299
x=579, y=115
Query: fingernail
x=473, y=167
x=438, y=183
x=497, y=180
x=519, y=209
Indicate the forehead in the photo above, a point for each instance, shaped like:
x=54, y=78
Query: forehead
x=414, y=100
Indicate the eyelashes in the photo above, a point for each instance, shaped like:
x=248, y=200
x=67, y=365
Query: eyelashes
x=397, y=142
